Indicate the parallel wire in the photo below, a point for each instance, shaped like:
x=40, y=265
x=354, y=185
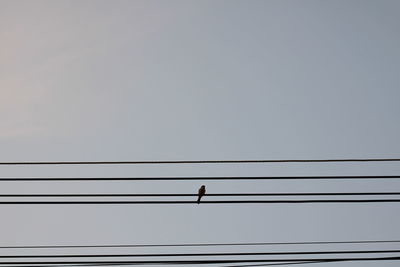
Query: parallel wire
x=202, y=202
x=201, y=254
x=206, y=244
x=118, y=264
x=71, y=179
x=214, y=178
x=198, y=161
x=209, y=195
x=215, y=261
x=275, y=264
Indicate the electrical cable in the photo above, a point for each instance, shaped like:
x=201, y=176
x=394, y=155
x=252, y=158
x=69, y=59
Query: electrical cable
x=214, y=261
x=201, y=254
x=208, y=195
x=199, y=161
x=73, y=179
x=303, y=201
x=205, y=244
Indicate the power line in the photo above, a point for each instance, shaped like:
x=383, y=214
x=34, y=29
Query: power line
x=201, y=254
x=124, y=264
x=206, y=244
x=203, y=202
x=275, y=264
x=268, y=264
x=170, y=264
x=214, y=261
x=198, y=161
x=346, y=177
x=209, y=195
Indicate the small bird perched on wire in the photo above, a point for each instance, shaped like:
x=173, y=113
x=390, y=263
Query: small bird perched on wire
x=202, y=192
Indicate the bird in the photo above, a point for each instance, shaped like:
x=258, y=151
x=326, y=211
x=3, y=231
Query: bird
x=202, y=192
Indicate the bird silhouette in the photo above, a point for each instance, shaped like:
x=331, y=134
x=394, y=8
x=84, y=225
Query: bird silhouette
x=202, y=192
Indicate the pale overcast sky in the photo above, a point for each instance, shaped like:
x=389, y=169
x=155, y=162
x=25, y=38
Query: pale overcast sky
x=196, y=80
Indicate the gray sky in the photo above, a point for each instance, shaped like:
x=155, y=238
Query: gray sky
x=193, y=80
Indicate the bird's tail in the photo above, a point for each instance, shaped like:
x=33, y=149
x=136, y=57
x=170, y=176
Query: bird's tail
x=198, y=200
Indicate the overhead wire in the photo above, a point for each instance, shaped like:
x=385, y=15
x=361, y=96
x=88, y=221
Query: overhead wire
x=125, y=264
x=201, y=254
x=216, y=178
x=303, y=201
x=205, y=244
x=276, y=264
x=208, y=195
x=213, y=261
x=299, y=261
x=198, y=161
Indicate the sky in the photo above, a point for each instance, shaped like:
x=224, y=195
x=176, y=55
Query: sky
x=199, y=80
